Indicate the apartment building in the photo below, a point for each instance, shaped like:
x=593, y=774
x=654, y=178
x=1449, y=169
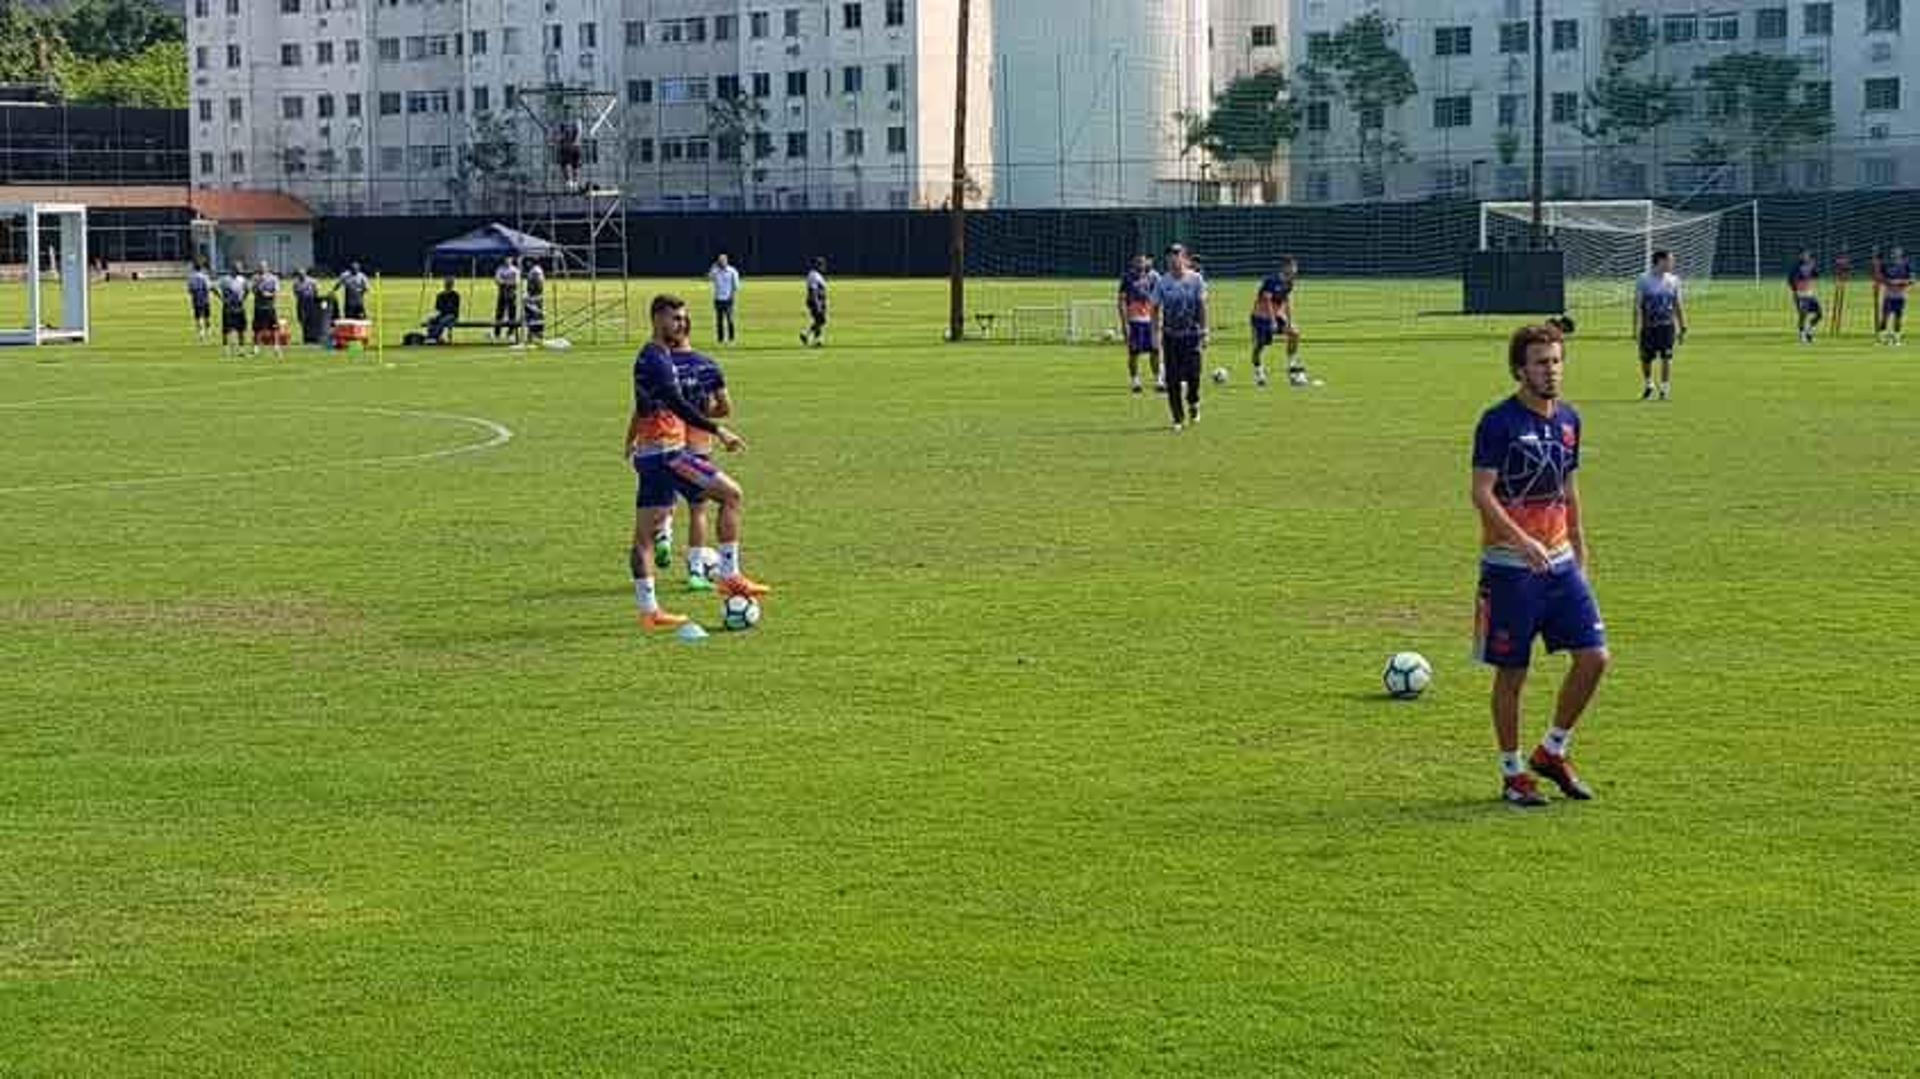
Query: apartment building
x=440, y=106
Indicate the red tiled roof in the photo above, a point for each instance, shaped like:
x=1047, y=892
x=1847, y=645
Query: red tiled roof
x=234, y=206
x=249, y=206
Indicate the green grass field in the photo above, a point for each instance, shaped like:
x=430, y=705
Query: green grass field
x=328, y=746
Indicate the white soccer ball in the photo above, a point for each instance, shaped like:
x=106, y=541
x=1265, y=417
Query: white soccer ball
x=1220, y=376
x=1408, y=675
x=1111, y=335
x=740, y=613
x=706, y=566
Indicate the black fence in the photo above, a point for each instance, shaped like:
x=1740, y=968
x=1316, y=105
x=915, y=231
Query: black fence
x=1418, y=239
x=85, y=145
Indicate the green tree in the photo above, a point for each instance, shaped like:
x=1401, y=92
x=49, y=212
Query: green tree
x=1622, y=106
x=1251, y=120
x=118, y=29
x=154, y=78
x=1759, y=108
x=489, y=167
x=736, y=124
x=31, y=47
x=1358, y=65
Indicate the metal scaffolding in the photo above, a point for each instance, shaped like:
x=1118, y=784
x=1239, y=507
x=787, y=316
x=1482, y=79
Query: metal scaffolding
x=584, y=219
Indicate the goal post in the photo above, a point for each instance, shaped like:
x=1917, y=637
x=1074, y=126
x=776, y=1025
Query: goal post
x=51, y=240
x=1616, y=238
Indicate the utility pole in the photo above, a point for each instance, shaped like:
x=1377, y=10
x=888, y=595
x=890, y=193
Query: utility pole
x=957, y=211
x=1539, y=119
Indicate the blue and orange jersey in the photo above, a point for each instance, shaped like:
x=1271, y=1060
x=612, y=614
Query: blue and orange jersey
x=658, y=429
x=1272, y=299
x=1897, y=276
x=701, y=380
x=1136, y=295
x=1533, y=458
x=1801, y=276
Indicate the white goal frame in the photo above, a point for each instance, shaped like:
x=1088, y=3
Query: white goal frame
x=1551, y=210
x=69, y=221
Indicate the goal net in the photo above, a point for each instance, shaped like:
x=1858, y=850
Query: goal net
x=1608, y=244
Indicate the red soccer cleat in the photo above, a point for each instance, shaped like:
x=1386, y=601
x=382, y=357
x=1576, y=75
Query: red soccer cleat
x=1522, y=791
x=1559, y=771
x=741, y=585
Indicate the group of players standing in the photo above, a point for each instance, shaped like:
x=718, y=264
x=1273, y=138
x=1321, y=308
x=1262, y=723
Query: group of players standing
x=233, y=290
x=1892, y=279
x=1164, y=317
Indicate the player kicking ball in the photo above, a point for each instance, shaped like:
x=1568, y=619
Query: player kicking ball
x=1273, y=317
x=1533, y=583
x=657, y=445
x=1659, y=323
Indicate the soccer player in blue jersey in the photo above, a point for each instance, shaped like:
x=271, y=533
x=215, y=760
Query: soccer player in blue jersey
x=1801, y=281
x=1273, y=316
x=1180, y=333
x=1136, y=320
x=704, y=385
x=1659, y=322
x=232, y=291
x=1533, y=583
x=200, y=293
x=1896, y=277
x=656, y=443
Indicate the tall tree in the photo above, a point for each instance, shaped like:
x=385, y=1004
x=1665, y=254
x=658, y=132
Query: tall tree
x=1359, y=65
x=489, y=171
x=154, y=78
x=1757, y=105
x=736, y=124
x=118, y=29
x=1623, y=106
x=31, y=47
x=1252, y=118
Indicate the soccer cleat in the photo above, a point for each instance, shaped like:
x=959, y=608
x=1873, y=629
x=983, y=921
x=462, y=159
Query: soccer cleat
x=1179, y=427
x=1159, y=385
x=1647, y=393
x=1522, y=791
x=662, y=552
x=1559, y=771
x=803, y=340
x=1260, y=375
x=661, y=621
x=697, y=583
x=1136, y=386
x=741, y=585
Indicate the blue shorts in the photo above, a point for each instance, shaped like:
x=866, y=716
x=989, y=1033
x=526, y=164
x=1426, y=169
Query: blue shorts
x=1894, y=305
x=1808, y=305
x=1263, y=330
x=675, y=474
x=1139, y=338
x=1516, y=605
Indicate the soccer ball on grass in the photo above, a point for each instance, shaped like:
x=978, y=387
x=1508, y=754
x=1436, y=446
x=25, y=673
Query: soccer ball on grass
x=740, y=613
x=1408, y=675
x=1219, y=376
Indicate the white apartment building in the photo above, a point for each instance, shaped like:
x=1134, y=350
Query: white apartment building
x=369, y=106
x=1466, y=130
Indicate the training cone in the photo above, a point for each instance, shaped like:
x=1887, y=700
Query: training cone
x=691, y=633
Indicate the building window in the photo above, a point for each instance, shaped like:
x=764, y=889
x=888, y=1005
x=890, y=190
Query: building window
x=1515, y=37
x=1319, y=116
x=762, y=84
x=200, y=12
x=477, y=43
x=200, y=58
x=323, y=106
x=897, y=199
x=1373, y=118
x=1453, y=41
x=292, y=108
x=796, y=144
x=1265, y=36
x=639, y=91
x=553, y=37
x=234, y=110
x=323, y=52
x=1680, y=29
x=1566, y=35
x=417, y=47
x=1770, y=23
x=758, y=24
x=796, y=84
x=680, y=90
x=636, y=33
x=896, y=77
x=356, y=160
x=1319, y=45
x=726, y=87
x=897, y=140
x=762, y=145
x=896, y=12
x=353, y=50
x=289, y=56
x=1566, y=108
x=1883, y=95
x=1630, y=31
x=850, y=16
x=1816, y=20
x=1454, y=111
x=205, y=108
x=1319, y=185
x=1509, y=110
x=387, y=49
x=392, y=159
x=644, y=149
x=1723, y=26
x=1819, y=96
x=588, y=35
x=1879, y=172
x=289, y=7
x=389, y=103
x=510, y=40
x=439, y=157
x=852, y=79
x=236, y=162
x=482, y=99
x=726, y=27
x=1883, y=16
x=206, y=161
x=790, y=22
x=853, y=142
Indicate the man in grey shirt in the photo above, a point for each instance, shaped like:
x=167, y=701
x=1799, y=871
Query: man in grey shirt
x=1180, y=332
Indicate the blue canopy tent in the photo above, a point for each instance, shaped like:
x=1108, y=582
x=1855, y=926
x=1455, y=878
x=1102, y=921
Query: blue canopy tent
x=488, y=243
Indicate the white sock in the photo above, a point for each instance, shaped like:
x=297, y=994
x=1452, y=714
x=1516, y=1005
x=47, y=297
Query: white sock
x=643, y=595
x=729, y=560
x=1666, y=388
x=1557, y=740
x=1510, y=764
